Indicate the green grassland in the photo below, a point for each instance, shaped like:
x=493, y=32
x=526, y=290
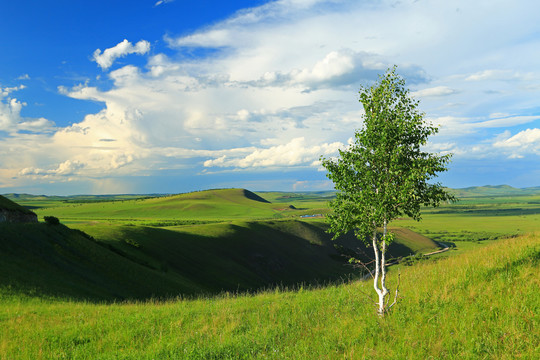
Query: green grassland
x=230, y=274
x=40, y=201
x=203, y=206
x=483, y=304
x=479, y=218
x=115, y=262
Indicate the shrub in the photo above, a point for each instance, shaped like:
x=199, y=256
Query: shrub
x=51, y=220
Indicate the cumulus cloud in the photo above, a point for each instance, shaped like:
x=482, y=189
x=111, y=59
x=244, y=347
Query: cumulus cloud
x=4, y=92
x=66, y=168
x=11, y=120
x=106, y=58
x=337, y=68
x=520, y=144
x=276, y=87
x=294, y=153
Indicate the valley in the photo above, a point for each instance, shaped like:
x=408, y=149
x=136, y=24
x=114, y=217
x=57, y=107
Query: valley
x=232, y=274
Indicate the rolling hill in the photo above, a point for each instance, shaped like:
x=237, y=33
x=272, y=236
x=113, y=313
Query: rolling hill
x=136, y=262
x=222, y=204
x=482, y=304
x=495, y=190
x=107, y=254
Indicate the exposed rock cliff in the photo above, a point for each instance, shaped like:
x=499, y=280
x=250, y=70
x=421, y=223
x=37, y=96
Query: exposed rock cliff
x=12, y=212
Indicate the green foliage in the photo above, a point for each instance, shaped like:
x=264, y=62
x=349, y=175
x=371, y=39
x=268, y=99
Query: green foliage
x=51, y=220
x=385, y=173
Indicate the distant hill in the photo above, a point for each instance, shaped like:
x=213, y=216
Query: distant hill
x=40, y=201
x=495, y=190
x=208, y=205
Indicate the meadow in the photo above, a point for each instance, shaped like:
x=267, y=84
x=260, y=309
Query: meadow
x=483, y=304
x=479, y=300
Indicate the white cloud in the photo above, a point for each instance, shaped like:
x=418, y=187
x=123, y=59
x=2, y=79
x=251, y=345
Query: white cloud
x=161, y=2
x=294, y=153
x=456, y=126
x=434, y=91
x=335, y=69
x=106, y=58
x=279, y=88
x=492, y=75
x=66, y=168
x=526, y=141
x=11, y=120
x=4, y=92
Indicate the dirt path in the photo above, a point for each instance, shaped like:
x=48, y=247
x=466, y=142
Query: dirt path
x=446, y=248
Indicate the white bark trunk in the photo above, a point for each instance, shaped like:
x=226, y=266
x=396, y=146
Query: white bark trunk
x=383, y=256
x=379, y=291
x=380, y=270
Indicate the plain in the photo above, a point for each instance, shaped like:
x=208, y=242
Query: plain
x=479, y=300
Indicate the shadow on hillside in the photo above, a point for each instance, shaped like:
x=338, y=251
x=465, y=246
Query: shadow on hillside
x=139, y=263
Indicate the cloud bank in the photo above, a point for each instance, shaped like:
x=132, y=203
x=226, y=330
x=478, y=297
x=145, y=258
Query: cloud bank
x=274, y=87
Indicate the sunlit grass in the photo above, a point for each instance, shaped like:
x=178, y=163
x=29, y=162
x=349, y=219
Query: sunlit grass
x=483, y=304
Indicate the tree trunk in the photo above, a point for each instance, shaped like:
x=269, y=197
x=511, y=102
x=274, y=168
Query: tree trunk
x=380, y=270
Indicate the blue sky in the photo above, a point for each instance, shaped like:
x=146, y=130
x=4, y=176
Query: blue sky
x=173, y=96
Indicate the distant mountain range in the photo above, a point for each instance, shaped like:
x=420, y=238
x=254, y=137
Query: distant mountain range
x=473, y=191
x=496, y=190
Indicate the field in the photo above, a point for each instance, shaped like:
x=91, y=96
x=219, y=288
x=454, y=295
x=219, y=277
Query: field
x=125, y=258
x=482, y=304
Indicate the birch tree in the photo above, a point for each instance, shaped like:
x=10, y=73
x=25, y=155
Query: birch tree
x=385, y=173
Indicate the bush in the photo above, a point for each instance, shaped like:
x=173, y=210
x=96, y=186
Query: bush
x=51, y=220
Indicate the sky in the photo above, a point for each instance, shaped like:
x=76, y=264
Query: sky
x=171, y=96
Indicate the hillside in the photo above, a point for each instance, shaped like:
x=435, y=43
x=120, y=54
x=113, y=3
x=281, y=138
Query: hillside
x=495, y=190
x=119, y=262
x=7, y=204
x=222, y=204
x=196, y=243
x=55, y=261
x=483, y=304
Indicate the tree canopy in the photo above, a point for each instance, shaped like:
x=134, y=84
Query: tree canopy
x=386, y=172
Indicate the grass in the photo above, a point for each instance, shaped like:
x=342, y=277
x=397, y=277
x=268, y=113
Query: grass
x=479, y=218
x=6, y=204
x=483, y=304
x=211, y=205
x=59, y=289
x=112, y=262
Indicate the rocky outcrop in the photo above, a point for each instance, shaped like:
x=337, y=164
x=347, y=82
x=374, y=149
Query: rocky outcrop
x=11, y=216
x=11, y=212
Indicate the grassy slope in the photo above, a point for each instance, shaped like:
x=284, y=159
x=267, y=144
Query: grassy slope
x=45, y=260
x=141, y=262
x=222, y=204
x=484, y=304
x=7, y=204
